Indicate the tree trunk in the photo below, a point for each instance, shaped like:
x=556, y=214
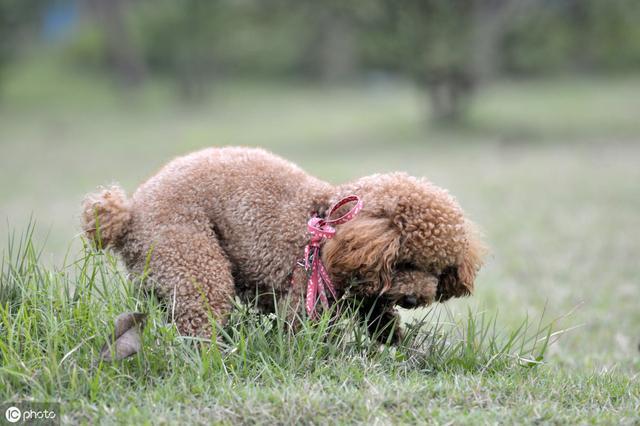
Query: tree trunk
x=487, y=30
x=123, y=56
x=332, y=55
x=449, y=99
x=337, y=48
x=490, y=20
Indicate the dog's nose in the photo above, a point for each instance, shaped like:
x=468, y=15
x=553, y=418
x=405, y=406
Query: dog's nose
x=409, y=302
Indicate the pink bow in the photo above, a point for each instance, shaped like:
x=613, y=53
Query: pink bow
x=318, y=276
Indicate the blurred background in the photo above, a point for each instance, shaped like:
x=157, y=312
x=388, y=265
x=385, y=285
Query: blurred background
x=527, y=110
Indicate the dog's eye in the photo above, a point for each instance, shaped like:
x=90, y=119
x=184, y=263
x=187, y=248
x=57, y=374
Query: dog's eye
x=406, y=266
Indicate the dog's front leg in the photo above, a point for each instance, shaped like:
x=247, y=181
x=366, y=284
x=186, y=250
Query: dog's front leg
x=383, y=321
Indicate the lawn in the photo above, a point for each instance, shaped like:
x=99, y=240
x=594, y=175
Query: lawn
x=548, y=169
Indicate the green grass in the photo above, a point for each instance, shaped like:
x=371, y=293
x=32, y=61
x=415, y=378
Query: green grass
x=54, y=321
x=548, y=169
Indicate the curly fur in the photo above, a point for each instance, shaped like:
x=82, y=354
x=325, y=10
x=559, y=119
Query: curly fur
x=106, y=216
x=226, y=222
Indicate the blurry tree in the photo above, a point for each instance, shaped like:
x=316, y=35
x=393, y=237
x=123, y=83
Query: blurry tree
x=331, y=53
x=448, y=47
x=340, y=31
x=121, y=53
x=436, y=36
x=196, y=41
x=178, y=39
x=217, y=38
x=540, y=41
x=612, y=34
x=18, y=19
x=574, y=35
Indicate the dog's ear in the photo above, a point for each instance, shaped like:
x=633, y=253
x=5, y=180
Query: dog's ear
x=367, y=246
x=472, y=258
x=458, y=281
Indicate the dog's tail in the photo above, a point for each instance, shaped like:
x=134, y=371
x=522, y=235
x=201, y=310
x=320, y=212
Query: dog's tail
x=106, y=216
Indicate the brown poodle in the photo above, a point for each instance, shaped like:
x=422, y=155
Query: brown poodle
x=225, y=222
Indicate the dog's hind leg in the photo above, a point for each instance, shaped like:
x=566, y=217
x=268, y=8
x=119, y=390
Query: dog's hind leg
x=193, y=275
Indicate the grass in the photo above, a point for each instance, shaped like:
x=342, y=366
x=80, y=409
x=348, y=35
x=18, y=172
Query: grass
x=549, y=169
x=54, y=321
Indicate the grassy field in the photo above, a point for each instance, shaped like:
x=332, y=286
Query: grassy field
x=548, y=169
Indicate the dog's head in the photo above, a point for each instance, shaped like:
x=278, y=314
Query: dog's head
x=410, y=245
